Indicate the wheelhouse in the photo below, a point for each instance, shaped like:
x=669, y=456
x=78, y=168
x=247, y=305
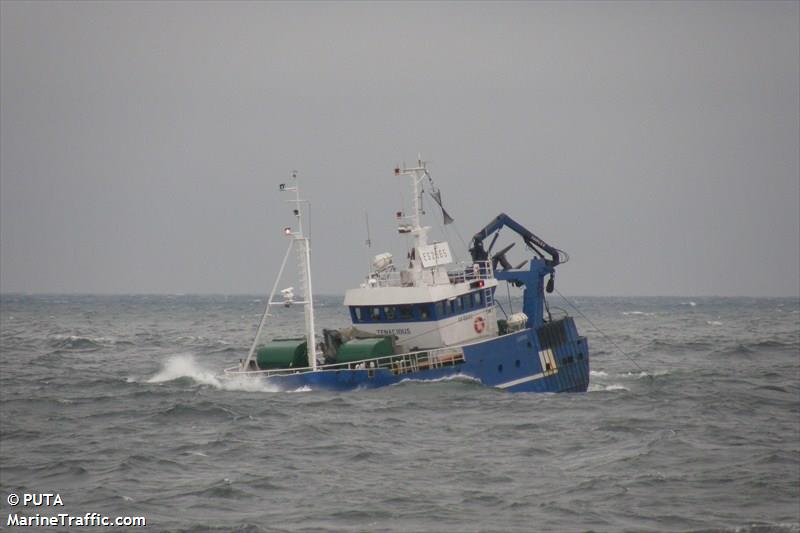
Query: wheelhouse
x=422, y=312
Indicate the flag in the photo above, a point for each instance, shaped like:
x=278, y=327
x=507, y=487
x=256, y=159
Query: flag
x=436, y=194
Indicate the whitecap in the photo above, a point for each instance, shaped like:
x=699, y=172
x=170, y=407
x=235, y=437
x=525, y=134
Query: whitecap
x=637, y=375
x=455, y=377
x=606, y=388
x=185, y=366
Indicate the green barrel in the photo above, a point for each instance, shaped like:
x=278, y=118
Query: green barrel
x=282, y=353
x=358, y=349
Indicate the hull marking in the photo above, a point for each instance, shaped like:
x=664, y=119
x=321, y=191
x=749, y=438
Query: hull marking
x=526, y=379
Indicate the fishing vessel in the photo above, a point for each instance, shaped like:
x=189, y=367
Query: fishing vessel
x=432, y=319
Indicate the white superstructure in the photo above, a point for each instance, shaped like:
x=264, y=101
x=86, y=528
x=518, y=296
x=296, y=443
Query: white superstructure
x=432, y=303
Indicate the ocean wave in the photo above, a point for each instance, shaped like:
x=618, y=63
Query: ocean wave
x=640, y=375
x=772, y=343
x=614, y=387
x=787, y=527
x=83, y=343
x=76, y=343
x=670, y=344
x=184, y=366
x=733, y=350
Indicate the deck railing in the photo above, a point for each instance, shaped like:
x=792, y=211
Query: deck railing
x=471, y=272
x=405, y=363
x=465, y=272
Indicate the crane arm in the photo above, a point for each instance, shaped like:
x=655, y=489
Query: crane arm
x=502, y=220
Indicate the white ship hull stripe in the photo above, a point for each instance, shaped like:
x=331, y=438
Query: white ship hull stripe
x=508, y=384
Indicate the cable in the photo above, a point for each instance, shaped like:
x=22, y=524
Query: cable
x=500, y=305
x=455, y=227
x=609, y=339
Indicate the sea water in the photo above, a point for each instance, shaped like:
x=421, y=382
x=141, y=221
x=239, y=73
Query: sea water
x=117, y=404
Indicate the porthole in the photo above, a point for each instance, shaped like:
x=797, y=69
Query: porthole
x=500, y=368
x=516, y=363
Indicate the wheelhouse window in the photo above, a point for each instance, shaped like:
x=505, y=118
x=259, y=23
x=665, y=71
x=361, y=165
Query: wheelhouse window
x=478, y=299
x=409, y=312
x=424, y=312
x=405, y=312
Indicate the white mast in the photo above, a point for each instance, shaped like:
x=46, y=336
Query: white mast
x=420, y=232
x=304, y=266
x=305, y=271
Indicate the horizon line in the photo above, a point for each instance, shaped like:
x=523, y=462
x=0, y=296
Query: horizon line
x=326, y=294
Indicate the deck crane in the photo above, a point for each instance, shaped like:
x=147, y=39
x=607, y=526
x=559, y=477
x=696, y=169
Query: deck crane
x=532, y=279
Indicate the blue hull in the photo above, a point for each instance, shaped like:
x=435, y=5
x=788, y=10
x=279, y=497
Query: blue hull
x=554, y=358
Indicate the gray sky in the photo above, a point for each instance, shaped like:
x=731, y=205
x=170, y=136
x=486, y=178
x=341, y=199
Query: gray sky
x=142, y=143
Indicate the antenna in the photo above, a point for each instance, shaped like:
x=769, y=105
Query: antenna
x=368, y=242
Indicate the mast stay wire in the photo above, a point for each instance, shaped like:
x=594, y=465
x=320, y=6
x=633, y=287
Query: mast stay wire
x=603, y=333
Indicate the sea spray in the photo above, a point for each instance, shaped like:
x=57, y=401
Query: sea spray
x=186, y=366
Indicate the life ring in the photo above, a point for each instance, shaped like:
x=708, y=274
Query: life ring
x=479, y=324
